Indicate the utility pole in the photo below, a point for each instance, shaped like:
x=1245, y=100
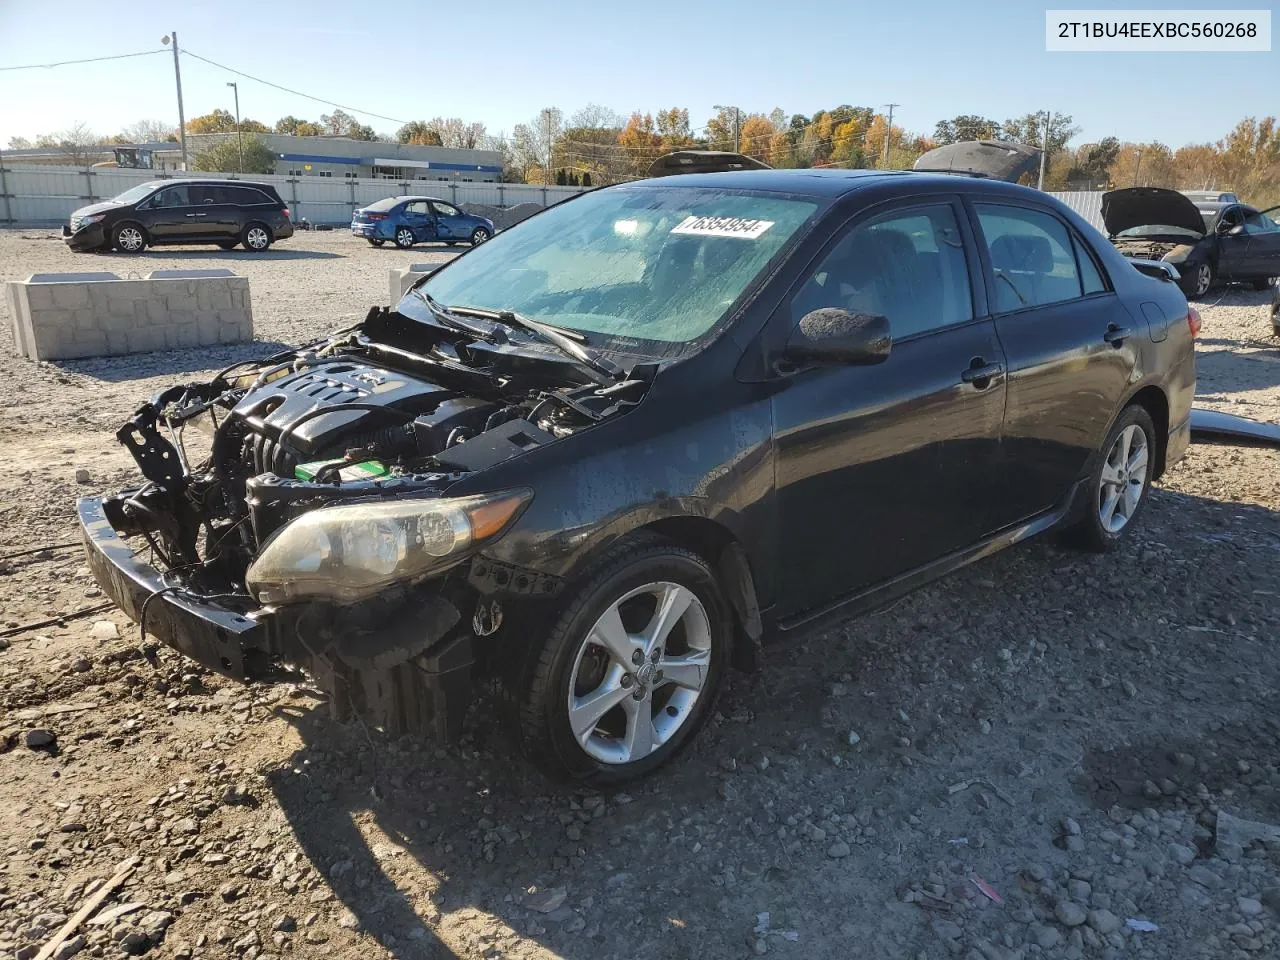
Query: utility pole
x=1136, y=167
x=546, y=171
x=239, y=130
x=177, y=76
x=1044, y=148
x=888, y=133
x=737, y=130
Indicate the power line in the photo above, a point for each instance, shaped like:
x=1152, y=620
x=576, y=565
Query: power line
x=64, y=63
x=296, y=93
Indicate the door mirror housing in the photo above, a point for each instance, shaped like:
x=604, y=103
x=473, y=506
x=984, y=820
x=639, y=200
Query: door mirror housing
x=831, y=336
x=1230, y=229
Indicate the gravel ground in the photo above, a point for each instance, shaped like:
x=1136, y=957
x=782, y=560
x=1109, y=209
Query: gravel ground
x=1025, y=760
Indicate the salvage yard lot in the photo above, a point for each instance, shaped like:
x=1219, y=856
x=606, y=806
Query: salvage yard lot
x=1062, y=727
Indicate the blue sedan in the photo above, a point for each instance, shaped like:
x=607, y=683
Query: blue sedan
x=409, y=220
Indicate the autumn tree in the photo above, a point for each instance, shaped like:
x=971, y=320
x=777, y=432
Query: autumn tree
x=757, y=136
x=589, y=142
x=673, y=128
x=77, y=143
x=217, y=121
x=294, y=127
x=419, y=132
x=342, y=124
x=1198, y=166
x=1143, y=165
x=642, y=142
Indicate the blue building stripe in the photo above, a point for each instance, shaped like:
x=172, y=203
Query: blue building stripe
x=311, y=158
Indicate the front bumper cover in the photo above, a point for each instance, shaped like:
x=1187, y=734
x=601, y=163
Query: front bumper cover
x=403, y=663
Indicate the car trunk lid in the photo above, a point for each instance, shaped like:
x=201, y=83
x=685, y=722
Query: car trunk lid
x=996, y=159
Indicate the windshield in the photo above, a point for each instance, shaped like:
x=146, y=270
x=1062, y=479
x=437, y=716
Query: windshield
x=134, y=194
x=645, y=262
x=1159, y=229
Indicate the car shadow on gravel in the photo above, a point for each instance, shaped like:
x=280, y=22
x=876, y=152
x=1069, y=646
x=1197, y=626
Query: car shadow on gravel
x=273, y=253
x=141, y=366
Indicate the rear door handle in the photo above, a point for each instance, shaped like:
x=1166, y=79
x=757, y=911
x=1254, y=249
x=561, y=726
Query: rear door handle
x=197, y=214
x=980, y=373
x=1116, y=335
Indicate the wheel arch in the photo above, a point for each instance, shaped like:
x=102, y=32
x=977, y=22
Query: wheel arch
x=1153, y=400
x=716, y=544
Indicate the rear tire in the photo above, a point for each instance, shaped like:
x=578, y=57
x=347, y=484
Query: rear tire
x=374, y=242
x=632, y=711
x=128, y=237
x=404, y=238
x=255, y=237
x=1263, y=283
x=226, y=244
x=1119, y=482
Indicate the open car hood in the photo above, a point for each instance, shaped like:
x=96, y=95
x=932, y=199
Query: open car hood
x=997, y=159
x=1139, y=206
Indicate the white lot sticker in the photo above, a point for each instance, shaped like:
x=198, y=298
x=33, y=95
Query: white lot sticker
x=723, y=227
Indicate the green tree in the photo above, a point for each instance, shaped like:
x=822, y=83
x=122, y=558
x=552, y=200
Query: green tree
x=967, y=126
x=419, y=132
x=225, y=156
x=586, y=178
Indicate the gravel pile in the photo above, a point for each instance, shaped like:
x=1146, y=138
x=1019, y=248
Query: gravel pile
x=1048, y=755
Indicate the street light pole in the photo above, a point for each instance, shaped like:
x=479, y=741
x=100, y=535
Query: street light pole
x=1044, y=148
x=177, y=77
x=239, y=131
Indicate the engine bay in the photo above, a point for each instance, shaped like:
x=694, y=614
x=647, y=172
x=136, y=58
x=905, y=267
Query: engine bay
x=390, y=407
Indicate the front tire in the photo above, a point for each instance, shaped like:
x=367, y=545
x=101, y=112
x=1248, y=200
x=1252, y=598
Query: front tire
x=1263, y=283
x=478, y=236
x=630, y=670
x=404, y=238
x=1119, y=482
x=1199, y=282
x=256, y=237
x=128, y=238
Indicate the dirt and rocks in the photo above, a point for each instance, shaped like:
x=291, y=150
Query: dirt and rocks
x=1046, y=755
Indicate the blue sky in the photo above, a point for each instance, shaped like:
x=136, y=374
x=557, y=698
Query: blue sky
x=499, y=62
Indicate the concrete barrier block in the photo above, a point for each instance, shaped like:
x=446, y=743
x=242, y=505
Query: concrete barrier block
x=70, y=316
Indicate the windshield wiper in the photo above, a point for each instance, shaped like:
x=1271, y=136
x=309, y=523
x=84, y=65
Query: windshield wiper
x=443, y=314
x=604, y=371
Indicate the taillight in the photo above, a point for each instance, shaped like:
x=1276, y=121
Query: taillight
x=287, y=214
x=375, y=216
x=1193, y=321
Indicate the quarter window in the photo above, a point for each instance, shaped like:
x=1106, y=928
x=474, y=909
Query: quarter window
x=907, y=265
x=1032, y=261
x=1090, y=276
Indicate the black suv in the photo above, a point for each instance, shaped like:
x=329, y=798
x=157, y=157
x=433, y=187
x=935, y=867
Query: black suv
x=224, y=212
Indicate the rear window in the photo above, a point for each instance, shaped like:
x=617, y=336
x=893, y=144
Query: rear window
x=386, y=204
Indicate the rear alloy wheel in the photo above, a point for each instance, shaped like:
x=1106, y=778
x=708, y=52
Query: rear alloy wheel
x=1120, y=481
x=128, y=238
x=631, y=670
x=478, y=236
x=404, y=238
x=1201, y=281
x=373, y=242
x=256, y=237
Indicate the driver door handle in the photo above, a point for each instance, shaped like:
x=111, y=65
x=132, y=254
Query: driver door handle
x=1116, y=335
x=980, y=373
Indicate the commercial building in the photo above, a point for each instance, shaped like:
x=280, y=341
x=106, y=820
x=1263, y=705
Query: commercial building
x=335, y=157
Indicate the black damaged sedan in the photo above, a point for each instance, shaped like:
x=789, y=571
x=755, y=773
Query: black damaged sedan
x=604, y=456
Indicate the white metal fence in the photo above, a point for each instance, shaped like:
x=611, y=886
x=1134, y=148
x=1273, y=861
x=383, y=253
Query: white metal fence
x=44, y=195
x=39, y=195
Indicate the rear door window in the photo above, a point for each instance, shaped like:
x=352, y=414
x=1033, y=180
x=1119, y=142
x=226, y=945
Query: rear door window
x=417, y=206
x=1033, y=262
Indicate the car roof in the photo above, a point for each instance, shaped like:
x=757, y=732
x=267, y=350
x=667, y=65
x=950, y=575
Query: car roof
x=827, y=183
x=417, y=197
x=214, y=181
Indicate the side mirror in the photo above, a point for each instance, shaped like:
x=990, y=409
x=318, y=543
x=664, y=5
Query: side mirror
x=832, y=336
x=1230, y=229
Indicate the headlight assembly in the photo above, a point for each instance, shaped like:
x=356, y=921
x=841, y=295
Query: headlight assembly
x=349, y=552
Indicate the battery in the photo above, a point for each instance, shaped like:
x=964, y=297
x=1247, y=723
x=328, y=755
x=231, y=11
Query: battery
x=368, y=470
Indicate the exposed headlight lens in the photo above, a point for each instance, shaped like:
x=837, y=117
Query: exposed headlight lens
x=92, y=218
x=347, y=553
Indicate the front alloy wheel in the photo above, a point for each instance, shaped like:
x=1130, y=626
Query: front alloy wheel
x=630, y=692
x=630, y=671
x=479, y=236
x=129, y=238
x=1201, y=280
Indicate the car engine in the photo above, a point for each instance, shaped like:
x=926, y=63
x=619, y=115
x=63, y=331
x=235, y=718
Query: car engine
x=390, y=407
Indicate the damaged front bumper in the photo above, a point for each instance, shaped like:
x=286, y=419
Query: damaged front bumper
x=403, y=661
